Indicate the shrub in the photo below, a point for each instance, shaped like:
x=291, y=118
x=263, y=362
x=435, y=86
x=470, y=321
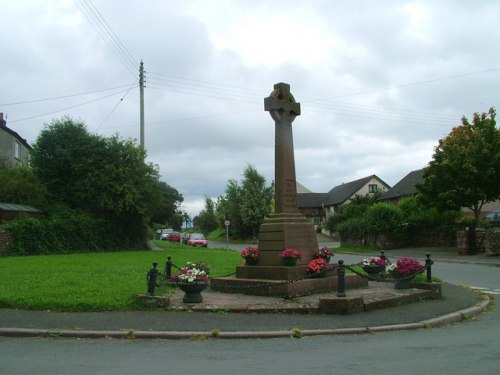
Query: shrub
x=383, y=218
x=353, y=230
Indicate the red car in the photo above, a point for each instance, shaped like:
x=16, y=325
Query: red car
x=197, y=239
x=174, y=237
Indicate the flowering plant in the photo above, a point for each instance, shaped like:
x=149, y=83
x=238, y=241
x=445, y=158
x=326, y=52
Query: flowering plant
x=324, y=253
x=316, y=266
x=250, y=252
x=192, y=273
x=405, y=267
x=374, y=262
x=290, y=254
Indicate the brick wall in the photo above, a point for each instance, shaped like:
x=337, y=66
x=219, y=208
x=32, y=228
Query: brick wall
x=5, y=241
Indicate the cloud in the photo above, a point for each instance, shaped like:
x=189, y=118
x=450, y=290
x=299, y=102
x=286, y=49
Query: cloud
x=379, y=83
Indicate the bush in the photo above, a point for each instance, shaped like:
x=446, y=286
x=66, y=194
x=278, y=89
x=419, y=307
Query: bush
x=353, y=230
x=383, y=218
x=65, y=233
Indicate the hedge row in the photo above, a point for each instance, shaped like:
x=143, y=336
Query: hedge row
x=402, y=225
x=68, y=234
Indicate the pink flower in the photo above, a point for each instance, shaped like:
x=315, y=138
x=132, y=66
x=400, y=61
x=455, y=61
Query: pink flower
x=250, y=252
x=291, y=254
x=316, y=265
x=324, y=252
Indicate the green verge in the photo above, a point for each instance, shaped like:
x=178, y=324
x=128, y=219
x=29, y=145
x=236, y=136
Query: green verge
x=96, y=281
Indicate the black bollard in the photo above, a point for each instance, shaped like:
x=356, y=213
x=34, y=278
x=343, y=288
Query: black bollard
x=428, y=263
x=341, y=279
x=168, y=268
x=151, y=278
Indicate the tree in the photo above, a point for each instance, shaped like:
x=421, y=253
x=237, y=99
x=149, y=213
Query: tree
x=206, y=219
x=20, y=185
x=228, y=208
x=465, y=170
x=255, y=199
x=165, y=206
x=106, y=177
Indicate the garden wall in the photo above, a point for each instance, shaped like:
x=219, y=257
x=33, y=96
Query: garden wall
x=421, y=238
x=5, y=241
x=488, y=241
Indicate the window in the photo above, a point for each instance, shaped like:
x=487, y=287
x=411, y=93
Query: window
x=17, y=151
x=372, y=188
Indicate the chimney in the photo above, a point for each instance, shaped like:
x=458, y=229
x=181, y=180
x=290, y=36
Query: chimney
x=2, y=120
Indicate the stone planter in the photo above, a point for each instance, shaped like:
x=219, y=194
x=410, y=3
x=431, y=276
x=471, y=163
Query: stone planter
x=192, y=291
x=403, y=284
x=250, y=261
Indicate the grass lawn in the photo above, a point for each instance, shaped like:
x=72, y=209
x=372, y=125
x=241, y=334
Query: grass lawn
x=96, y=281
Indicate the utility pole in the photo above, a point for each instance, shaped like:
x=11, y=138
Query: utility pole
x=141, y=91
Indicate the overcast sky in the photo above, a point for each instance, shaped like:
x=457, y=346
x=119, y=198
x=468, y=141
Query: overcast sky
x=379, y=82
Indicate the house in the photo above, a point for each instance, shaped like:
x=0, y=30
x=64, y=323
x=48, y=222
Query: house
x=317, y=205
x=14, y=150
x=404, y=188
x=10, y=211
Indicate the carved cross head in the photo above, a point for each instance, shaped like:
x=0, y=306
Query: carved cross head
x=281, y=104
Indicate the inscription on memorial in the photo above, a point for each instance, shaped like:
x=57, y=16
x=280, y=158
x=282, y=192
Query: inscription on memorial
x=290, y=194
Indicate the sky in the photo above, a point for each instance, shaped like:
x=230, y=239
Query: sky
x=379, y=82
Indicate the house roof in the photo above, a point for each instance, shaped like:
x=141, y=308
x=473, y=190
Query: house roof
x=405, y=187
x=311, y=200
x=301, y=188
x=339, y=194
x=17, y=208
x=19, y=138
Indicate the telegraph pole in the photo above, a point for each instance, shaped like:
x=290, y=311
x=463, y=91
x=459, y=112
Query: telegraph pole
x=141, y=91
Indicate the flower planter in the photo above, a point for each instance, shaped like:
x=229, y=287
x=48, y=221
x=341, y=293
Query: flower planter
x=250, y=261
x=290, y=262
x=372, y=270
x=192, y=291
x=402, y=284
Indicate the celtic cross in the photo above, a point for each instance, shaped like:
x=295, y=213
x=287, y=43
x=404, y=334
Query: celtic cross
x=283, y=109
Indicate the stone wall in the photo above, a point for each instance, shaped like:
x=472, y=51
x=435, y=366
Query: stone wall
x=488, y=241
x=5, y=241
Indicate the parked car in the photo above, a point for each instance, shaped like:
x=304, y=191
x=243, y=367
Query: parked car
x=185, y=237
x=493, y=217
x=173, y=237
x=197, y=239
x=164, y=233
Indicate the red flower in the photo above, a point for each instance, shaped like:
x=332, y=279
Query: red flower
x=250, y=252
x=291, y=254
x=316, y=265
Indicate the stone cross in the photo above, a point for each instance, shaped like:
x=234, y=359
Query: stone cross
x=283, y=109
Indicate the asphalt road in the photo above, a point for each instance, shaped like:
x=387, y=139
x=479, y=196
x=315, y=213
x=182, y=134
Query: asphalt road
x=466, y=348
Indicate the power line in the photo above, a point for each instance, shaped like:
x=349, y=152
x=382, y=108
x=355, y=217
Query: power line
x=417, y=83
x=114, y=108
x=66, y=108
x=99, y=24
x=67, y=96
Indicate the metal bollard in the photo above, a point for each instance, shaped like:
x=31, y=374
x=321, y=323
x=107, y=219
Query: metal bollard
x=168, y=268
x=382, y=255
x=428, y=263
x=341, y=280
